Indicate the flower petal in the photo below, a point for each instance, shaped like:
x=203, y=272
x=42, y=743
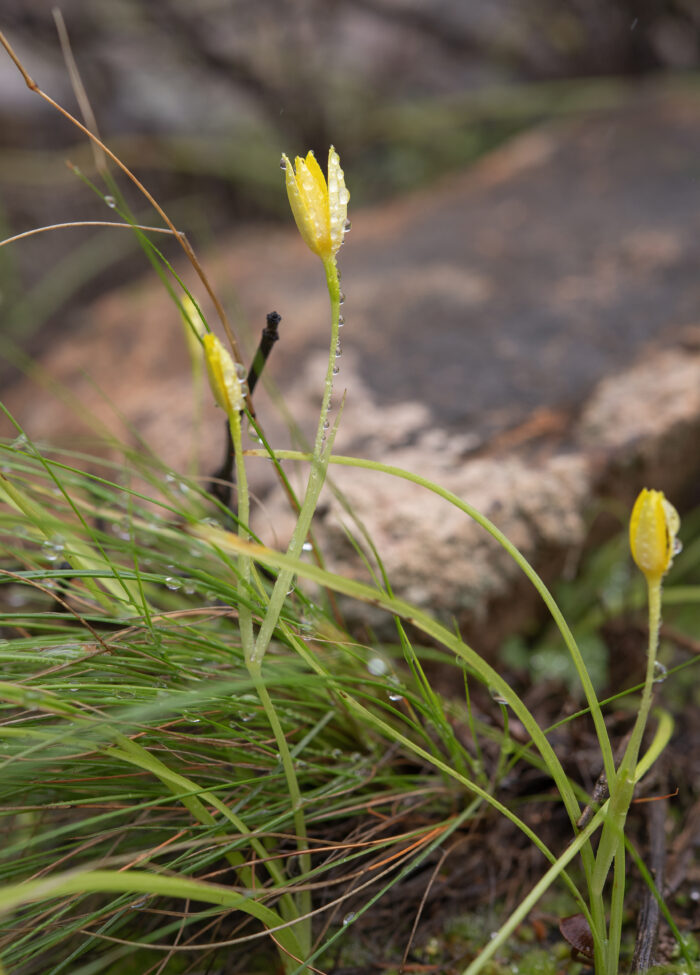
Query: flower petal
x=338, y=197
x=315, y=193
x=299, y=204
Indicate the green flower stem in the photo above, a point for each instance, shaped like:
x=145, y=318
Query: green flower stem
x=290, y=909
x=255, y=651
x=303, y=929
x=622, y=786
x=197, y=404
x=635, y=742
x=245, y=616
x=319, y=465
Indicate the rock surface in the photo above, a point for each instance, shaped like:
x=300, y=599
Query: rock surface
x=523, y=334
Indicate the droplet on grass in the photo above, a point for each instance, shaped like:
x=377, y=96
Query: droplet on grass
x=660, y=672
x=376, y=666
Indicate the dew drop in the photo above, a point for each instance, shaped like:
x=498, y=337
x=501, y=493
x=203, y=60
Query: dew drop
x=111, y=202
x=253, y=434
x=338, y=350
x=660, y=672
x=189, y=589
x=307, y=547
x=393, y=696
x=497, y=696
x=341, y=321
x=677, y=546
x=341, y=298
x=19, y=443
x=283, y=163
x=53, y=548
x=336, y=370
x=16, y=597
x=349, y=918
x=172, y=583
x=347, y=226
x=376, y=666
x=122, y=529
x=290, y=591
x=241, y=372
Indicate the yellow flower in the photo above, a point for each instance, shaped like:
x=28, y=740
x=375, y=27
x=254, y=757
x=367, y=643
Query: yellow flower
x=653, y=528
x=320, y=209
x=194, y=326
x=223, y=378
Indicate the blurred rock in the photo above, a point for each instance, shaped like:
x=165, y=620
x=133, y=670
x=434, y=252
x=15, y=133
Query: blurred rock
x=523, y=334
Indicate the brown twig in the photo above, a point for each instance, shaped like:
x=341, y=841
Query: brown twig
x=83, y=223
x=650, y=914
x=222, y=478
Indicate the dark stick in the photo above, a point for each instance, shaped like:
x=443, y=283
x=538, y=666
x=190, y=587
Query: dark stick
x=222, y=479
x=269, y=336
x=649, y=916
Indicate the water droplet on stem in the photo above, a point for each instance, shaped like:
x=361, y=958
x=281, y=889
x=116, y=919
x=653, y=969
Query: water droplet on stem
x=660, y=672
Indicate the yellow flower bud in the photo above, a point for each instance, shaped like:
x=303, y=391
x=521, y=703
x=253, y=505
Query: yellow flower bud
x=653, y=528
x=194, y=325
x=223, y=377
x=320, y=209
